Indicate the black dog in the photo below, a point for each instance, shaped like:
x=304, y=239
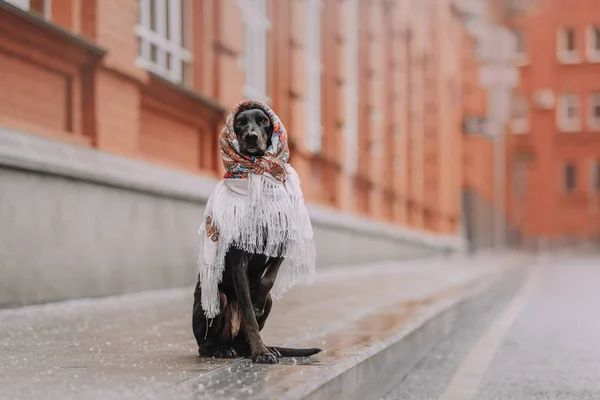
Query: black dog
x=245, y=301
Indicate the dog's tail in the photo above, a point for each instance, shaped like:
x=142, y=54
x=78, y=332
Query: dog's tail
x=289, y=352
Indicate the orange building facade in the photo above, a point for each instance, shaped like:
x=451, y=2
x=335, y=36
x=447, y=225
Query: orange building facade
x=551, y=164
x=555, y=132
x=367, y=89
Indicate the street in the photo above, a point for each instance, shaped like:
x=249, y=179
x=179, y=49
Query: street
x=541, y=344
x=141, y=345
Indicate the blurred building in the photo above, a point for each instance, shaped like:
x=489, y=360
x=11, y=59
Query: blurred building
x=551, y=161
x=368, y=89
x=555, y=130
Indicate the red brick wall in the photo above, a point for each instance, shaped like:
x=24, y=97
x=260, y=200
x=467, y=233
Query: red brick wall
x=547, y=211
x=40, y=99
x=409, y=148
x=168, y=140
x=40, y=92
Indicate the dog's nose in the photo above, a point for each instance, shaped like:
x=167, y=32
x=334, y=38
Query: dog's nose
x=252, y=137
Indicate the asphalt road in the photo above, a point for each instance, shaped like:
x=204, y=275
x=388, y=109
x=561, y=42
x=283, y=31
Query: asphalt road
x=544, y=343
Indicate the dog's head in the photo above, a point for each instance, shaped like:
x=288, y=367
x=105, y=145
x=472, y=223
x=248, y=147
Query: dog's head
x=253, y=129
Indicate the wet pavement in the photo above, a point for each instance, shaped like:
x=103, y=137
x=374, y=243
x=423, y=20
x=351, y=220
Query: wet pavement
x=141, y=345
x=549, y=351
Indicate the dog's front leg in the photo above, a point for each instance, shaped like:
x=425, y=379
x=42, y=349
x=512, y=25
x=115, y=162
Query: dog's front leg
x=258, y=350
x=264, y=286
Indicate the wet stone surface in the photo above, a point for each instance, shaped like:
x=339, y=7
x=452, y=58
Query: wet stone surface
x=550, y=352
x=141, y=345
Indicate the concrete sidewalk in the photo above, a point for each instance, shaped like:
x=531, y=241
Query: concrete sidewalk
x=141, y=345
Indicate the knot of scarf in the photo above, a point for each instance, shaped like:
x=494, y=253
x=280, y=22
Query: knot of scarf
x=238, y=165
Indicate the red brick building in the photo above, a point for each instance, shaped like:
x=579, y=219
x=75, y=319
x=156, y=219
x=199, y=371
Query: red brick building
x=366, y=88
x=552, y=157
x=554, y=145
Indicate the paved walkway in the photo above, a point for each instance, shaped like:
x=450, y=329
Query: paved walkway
x=540, y=345
x=141, y=345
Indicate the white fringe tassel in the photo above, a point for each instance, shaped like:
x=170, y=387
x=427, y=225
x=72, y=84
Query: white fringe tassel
x=258, y=215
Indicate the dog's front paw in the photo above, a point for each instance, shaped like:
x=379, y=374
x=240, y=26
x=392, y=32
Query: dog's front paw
x=265, y=356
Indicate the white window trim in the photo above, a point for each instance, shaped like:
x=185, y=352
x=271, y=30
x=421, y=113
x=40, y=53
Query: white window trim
x=593, y=54
x=173, y=46
x=314, y=68
x=593, y=122
x=565, y=125
x=520, y=123
x=256, y=27
x=565, y=56
x=351, y=86
x=521, y=57
x=25, y=5
x=48, y=9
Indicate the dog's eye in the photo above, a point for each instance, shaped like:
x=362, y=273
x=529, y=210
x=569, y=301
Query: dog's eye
x=264, y=121
x=238, y=122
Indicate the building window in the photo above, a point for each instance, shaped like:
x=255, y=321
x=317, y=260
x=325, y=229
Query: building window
x=594, y=176
x=163, y=39
x=40, y=7
x=594, y=111
x=593, y=43
x=567, y=46
x=351, y=87
x=256, y=26
x=570, y=178
x=568, y=113
x=314, y=70
x=520, y=118
x=521, y=52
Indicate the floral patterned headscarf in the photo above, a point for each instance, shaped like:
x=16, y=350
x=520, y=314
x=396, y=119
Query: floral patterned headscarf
x=238, y=165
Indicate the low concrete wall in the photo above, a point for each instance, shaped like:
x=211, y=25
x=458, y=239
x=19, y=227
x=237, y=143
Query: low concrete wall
x=75, y=222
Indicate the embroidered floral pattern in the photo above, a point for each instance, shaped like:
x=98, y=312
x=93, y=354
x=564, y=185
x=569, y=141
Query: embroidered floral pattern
x=238, y=166
x=211, y=230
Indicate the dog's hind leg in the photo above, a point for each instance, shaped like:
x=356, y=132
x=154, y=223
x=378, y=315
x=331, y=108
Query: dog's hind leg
x=211, y=333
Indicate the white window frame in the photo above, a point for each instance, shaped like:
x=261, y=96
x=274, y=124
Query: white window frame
x=593, y=120
x=521, y=58
x=520, y=118
x=25, y=5
x=314, y=69
x=256, y=27
x=564, y=55
x=168, y=44
x=564, y=122
x=351, y=85
x=593, y=45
